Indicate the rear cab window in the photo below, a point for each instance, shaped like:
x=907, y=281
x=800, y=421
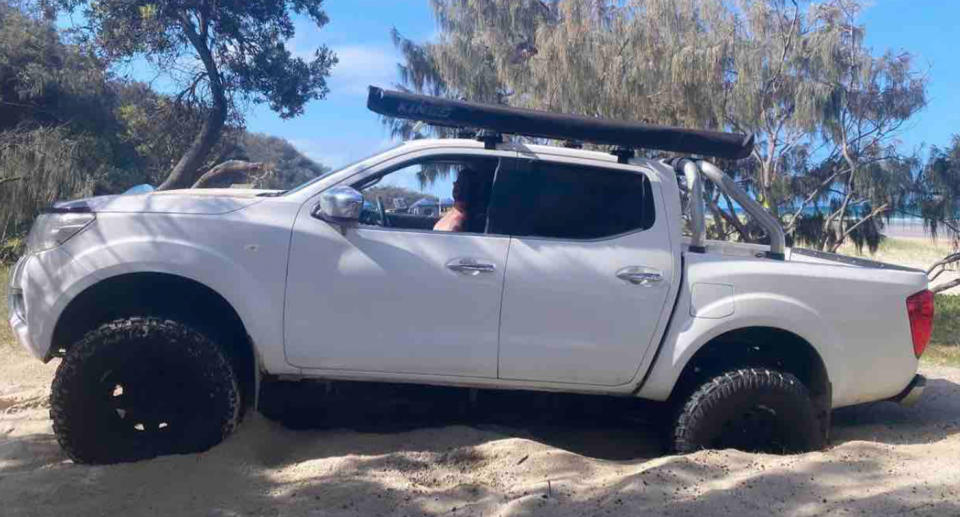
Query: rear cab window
x=538, y=198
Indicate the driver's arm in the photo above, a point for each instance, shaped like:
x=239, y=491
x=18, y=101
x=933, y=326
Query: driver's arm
x=452, y=221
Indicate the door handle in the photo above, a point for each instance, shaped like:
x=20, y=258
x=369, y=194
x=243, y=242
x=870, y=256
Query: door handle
x=640, y=275
x=470, y=267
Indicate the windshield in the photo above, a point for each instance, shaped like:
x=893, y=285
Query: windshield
x=320, y=177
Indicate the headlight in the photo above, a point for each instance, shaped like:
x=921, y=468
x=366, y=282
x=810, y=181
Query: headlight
x=53, y=229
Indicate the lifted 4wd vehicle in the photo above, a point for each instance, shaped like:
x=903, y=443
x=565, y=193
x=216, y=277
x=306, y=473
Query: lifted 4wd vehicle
x=553, y=268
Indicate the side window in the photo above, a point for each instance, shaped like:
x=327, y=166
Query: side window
x=546, y=199
x=439, y=194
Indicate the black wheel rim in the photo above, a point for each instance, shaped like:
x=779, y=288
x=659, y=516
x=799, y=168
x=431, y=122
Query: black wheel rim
x=755, y=429
x=150, y=400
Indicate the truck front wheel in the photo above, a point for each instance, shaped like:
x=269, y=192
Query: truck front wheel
x=751, y=409
x=136, y=388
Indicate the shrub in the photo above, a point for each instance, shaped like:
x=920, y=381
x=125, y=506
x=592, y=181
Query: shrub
x=946, y=321
x=49, y=165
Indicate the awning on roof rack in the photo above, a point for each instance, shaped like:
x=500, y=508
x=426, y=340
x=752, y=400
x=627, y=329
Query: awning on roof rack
x=544, y=124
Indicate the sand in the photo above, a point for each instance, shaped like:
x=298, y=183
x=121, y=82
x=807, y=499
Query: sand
x=883, y=459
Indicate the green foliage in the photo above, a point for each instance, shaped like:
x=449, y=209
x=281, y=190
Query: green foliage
x=825, y=108
x=245, y=41
x=68, y=129
x=52, y=164
x=58, y=134
x=942, y=355
x=287, y=168
x=224, y=53
x=159, y=128
x=937, y=190
x=946, y=320
x=45, y=81
x=11, y=249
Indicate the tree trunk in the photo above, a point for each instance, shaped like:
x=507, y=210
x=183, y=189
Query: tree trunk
x=227, y=168
x=185, y=172
x=767, y=174
x=186, y=169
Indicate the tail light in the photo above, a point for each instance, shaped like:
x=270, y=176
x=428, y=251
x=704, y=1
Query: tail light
x=920, y=311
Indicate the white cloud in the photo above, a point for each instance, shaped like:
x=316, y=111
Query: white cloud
x=336, y=152
x=360, y=66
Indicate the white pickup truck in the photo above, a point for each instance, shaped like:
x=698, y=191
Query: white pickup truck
x=567, y=271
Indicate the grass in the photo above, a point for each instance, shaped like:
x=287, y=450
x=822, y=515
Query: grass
x=944, y=349
x=946, y=321
x=942, y=355
x=919, y=253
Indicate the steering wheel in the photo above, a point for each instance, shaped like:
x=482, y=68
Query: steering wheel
x=383, y=213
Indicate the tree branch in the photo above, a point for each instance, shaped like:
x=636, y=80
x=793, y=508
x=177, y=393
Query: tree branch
x=949, y=259
x=792, y=224
x=848, y=231
x=184, y=171
x=192, y=87
x=943, y=287
x=10, y=180
x=227, y=168
x=732, y=220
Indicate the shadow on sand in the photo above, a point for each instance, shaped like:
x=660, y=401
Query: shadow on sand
x=415, y=451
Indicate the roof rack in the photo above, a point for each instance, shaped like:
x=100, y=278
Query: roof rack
x=544, y=124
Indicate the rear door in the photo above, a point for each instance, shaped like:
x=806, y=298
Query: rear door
x=588, y=274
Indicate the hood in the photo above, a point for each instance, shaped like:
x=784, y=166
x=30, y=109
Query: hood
x=186, y=201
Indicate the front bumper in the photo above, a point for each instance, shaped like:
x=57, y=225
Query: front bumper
x=23, y=336
x=911, y=394
x=17, y=307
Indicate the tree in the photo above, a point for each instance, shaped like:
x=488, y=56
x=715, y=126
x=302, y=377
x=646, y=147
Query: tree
x=824, y=108
x=43, y=81
x=936, y=199
x=285, y=166
x=863, y=175
x=69, y=128
x=238, y=51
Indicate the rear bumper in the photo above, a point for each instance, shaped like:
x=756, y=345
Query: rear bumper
x=911, y=394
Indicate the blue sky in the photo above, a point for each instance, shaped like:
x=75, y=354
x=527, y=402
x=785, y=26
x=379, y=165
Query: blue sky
x=340, y=129
x=926, y=29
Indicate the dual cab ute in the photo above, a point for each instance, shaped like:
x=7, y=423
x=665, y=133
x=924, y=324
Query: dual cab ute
x=553, y=268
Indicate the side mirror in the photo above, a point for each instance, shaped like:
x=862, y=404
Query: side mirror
x=340, y=205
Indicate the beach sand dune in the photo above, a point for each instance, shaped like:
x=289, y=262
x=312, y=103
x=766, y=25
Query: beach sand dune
x=883, y=459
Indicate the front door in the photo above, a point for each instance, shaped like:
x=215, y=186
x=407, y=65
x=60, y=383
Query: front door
x=589, y=272
x=393, y=295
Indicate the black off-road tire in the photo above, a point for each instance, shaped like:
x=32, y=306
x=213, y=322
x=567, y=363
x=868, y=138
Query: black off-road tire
x=140, y=387
x=752, y=409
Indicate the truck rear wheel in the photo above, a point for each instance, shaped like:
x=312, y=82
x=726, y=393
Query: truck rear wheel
x=136, y=388
x=751, y=409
